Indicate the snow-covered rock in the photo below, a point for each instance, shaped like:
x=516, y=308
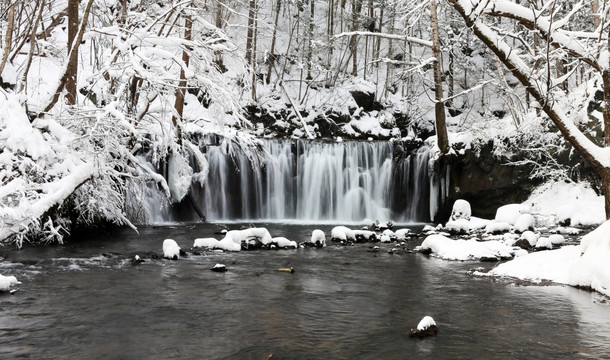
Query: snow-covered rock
x=171, y=250
x=318, y=238
x=510, y=213
x=524, y=223
x=248, y=238
x=461, y=210
x=531, y=237
x=7, y=281
x=389, y=233
x=283, y=243
x=342, y=233
x=557, y=239
x=478, y=223
x=402, y=234
x=385, y=239
x=458, y=226
x=365, y=235
x=544, y=243
x=497, y=227
x=449, y=249
x=425, y=323
x=209, y=243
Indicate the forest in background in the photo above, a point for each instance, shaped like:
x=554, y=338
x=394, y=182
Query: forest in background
x=99, y=95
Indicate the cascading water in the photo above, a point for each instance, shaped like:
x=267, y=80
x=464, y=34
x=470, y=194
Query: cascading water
x=314, y=181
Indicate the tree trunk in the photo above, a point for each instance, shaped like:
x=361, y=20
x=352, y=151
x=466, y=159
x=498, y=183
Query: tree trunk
x=72, y=57
x=272, y=56
x=28, y=62
x=180, y=92
x=8, y=38
x=353, y=42
x=250, y=35
x=312, y=9
x=72, y=74
x=439, y=107
x=595, y=12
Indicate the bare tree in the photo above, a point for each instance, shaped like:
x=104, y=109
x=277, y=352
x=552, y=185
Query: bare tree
x=439, y=106
x=72, y=74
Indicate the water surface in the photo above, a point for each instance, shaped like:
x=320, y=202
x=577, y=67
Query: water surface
x=84, y=300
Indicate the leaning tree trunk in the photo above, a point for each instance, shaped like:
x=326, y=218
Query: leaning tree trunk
x=181, y=91
x=8, y=37
x=439, y=107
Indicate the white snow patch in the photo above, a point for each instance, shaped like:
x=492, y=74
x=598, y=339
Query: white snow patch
x=282, y=242
x=425, y=323
x=171, y=250
x=7, y=281
x=449, y=249
x=510, y=213
x=525, y=222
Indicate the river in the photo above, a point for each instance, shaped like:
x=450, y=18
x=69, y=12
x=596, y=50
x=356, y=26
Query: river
x=84, y=300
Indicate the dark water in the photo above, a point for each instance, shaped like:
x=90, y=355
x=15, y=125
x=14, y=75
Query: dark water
x=341, y=303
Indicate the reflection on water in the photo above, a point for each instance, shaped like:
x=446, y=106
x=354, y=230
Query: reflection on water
x=85, y=301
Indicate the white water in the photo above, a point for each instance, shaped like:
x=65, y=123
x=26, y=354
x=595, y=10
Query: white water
x=308, y=181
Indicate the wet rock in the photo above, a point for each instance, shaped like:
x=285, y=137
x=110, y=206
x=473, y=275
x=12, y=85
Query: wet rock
x=430, y=331
x=219, y=268
x=523, y=244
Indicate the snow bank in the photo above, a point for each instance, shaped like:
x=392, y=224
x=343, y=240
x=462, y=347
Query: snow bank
x=7, y=281
x=171, y=250
x=585, y=265
x=575, y=203
x=449, y=249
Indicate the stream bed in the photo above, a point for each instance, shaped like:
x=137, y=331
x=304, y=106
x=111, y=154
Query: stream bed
x=85, y=300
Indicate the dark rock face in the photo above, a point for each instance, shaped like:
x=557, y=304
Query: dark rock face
x=366, y=101
x=485, y=182
x=523, y=244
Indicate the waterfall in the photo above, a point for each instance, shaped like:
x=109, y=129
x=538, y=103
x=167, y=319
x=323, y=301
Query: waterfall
x=313, y=181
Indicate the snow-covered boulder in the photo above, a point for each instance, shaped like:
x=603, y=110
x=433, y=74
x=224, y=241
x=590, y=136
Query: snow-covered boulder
x=497, y=227
x=461, y=210
x=458, y=226
x=283, y=243
x=171, y=250
x=543, y=243
x=389, y=233
x=524, y=223
x=557, y=239
x=385, y=239
x=250, y=238
x=510, y=213
x=478, y=223
x=228, y=244
x=365, y=235
x=449, y=249
x=426, y=327
x=531, y=237
x=318, y=238
x=7, y=281
x=402, y=234
x=342, y=233
x=209, y=243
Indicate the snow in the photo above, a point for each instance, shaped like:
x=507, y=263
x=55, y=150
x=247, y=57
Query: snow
x=7, y=281
x=557, y=239
x=461, y=210
x=525, y=222
x=318, y=237
x=585, y=265
x=478, y=223
x=510, y=213
x=171, y=250
x=449, y=249
x=574, y=202
x=402, y=234
x=342, y=233
x=497, y=227
x=461, y=225
x=209, y=243
x=531, y=237
x=544, y=243
x=282, y=242
x=425, y=323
